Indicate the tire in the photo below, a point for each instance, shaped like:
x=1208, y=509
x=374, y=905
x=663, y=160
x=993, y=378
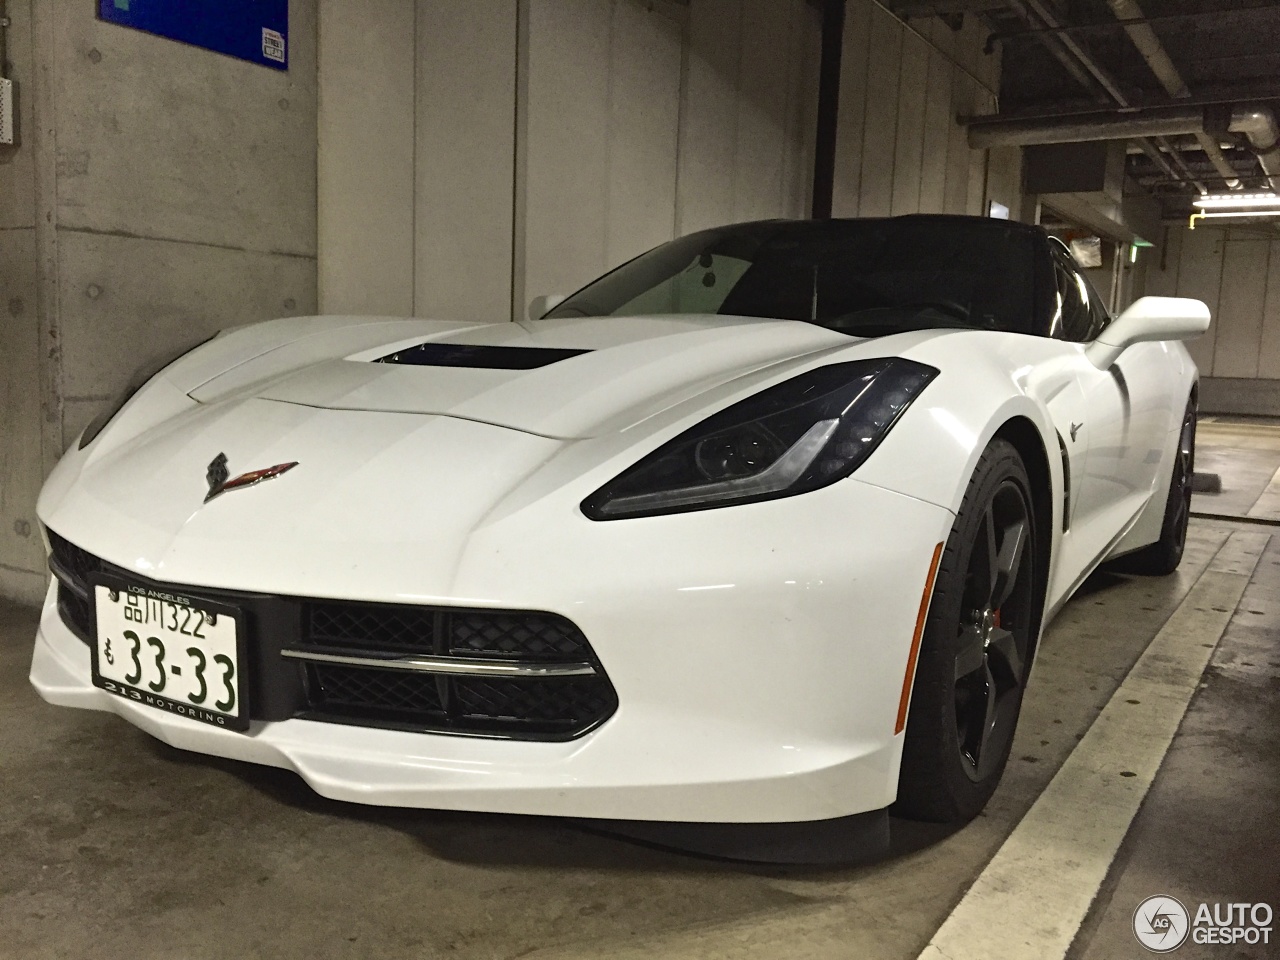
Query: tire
x=976, y=650
x=1163, y=556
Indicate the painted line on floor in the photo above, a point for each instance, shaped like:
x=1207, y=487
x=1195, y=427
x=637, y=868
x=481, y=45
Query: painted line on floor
x=1267, y=506
x=1031, y=898
x=1234, y=518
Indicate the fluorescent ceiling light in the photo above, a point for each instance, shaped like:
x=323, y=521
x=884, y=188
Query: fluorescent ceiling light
x=1216, y=200
x=1238, y=213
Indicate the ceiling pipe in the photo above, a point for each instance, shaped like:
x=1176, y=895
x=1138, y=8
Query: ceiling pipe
x=1153, y=153
x=1149, y=45
x=1209, y=145
x=1157, y=58
x=1041, y=10
x=1176, y=158
x=1004, y=36
x=1258, y=123
x=1059, y=53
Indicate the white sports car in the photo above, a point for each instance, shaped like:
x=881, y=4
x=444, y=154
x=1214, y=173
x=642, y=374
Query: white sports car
x=759, y=528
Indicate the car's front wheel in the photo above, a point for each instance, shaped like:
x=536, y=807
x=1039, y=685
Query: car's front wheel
x=976, y=649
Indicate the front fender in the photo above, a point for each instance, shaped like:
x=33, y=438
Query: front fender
x=932, y=451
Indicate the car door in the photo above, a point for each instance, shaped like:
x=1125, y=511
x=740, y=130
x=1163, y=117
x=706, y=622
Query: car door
x=1097, y=436
x=1145, y=377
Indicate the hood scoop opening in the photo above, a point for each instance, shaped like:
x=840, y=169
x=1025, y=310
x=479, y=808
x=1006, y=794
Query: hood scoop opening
x=433, y=354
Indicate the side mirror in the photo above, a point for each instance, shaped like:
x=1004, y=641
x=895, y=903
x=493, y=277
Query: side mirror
x=539, y=307
x=1148, y=319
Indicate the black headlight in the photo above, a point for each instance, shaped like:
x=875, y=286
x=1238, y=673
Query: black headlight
x=136, y=383
x=799, y=435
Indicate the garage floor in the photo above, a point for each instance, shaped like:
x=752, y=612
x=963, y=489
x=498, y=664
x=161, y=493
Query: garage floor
x=115, y=846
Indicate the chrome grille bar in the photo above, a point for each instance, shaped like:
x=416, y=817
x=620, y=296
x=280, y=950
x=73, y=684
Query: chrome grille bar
x=457, y=666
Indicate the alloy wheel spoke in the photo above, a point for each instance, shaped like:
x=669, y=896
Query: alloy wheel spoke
x=1008, y=562
x=989, y=717
x=989, y=544
x=1004, y=651
x=971, y=655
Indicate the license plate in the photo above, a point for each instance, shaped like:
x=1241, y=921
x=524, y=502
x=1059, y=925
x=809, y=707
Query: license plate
x=172, y=652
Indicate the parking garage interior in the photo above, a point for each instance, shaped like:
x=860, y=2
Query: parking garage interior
x=453, y=160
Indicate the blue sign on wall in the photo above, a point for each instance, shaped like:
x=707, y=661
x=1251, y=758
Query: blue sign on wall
x=254, y=30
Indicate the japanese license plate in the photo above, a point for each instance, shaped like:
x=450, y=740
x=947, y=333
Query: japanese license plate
x=172, y=652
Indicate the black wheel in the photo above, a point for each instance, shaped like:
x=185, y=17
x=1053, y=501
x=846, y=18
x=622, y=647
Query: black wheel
x=976, y=650
x=1163, y=556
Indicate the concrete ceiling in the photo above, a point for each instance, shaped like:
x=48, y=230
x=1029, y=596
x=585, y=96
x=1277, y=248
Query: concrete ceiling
x=1067, y=57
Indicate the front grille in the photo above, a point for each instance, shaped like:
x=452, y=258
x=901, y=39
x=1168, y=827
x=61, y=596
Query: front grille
x=513, y=705
x=79, y=563
x=438, y=649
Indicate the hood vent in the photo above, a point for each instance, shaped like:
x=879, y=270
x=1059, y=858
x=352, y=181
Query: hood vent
x=469, y=355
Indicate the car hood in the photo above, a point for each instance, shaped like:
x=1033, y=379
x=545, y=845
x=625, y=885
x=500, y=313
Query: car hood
x=609, y=372
x=398, y=466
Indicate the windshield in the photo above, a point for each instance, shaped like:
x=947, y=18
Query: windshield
x=861, y=277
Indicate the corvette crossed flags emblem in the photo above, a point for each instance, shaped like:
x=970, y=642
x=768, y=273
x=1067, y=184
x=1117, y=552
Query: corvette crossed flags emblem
x=217, y=476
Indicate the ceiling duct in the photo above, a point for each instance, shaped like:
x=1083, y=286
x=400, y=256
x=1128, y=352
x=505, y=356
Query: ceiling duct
x=1257, y=122
x=1259, y=125
x=1079, y=128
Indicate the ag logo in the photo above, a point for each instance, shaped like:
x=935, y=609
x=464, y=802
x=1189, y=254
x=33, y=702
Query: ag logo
x=1161, y=924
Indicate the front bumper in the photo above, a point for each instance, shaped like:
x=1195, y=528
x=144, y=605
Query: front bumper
x=758, y=680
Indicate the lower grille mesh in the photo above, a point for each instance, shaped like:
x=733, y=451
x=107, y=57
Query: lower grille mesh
x=525, y=706
x=554, y=704
x=528, y=636
x=398, y=695
x=366, y=626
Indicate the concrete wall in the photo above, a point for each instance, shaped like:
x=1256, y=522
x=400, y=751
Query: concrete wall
x=24, y=433
x=1236, y=271
x=546, y=141
x=899, y=149
x=552, y=140
x=158, y=193
x=365, y=171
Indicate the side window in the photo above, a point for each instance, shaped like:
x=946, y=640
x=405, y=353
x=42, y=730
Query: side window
x=1073, y=317
x=1101, y=316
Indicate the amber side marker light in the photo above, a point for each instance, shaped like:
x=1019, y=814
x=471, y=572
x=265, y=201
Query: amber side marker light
x=915, y=641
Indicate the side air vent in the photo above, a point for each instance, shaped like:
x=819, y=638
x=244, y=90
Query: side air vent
x=469, y=355
x=1066, y=485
